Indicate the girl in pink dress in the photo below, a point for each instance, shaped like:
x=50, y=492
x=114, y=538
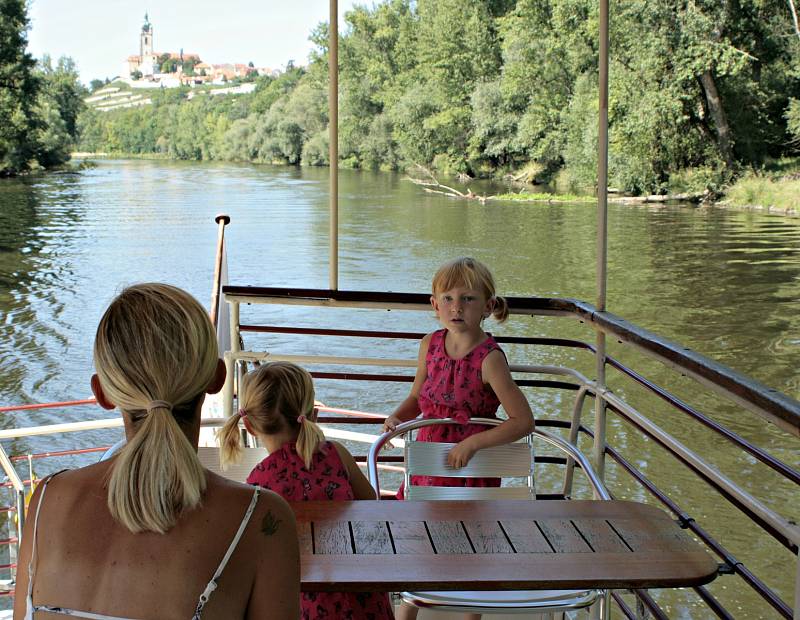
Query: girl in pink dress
x=462, y=373
x=277, y=406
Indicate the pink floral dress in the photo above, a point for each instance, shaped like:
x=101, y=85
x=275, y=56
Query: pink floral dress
x=455, y=389
x=284, y=472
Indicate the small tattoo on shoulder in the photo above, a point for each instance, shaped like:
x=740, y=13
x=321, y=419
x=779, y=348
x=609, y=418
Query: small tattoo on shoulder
x=269, y=524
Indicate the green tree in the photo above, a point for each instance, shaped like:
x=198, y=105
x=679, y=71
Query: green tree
x=18, y=90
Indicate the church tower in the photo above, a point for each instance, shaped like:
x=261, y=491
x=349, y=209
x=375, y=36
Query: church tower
x=146, y=39
x=146, y=55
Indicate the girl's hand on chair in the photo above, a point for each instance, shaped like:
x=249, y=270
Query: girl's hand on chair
x=390, y=423
x=461, y=454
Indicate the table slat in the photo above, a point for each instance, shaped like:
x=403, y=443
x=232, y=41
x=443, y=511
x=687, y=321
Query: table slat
x=653, y=536
x=563, y=536
x=410, y=537
x=332, y=538
x=449, y=537
x=487, y=537
x=525, y=536
x=600, y=535
x=371, y=537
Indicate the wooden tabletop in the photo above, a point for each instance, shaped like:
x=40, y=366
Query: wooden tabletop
x=494, y=545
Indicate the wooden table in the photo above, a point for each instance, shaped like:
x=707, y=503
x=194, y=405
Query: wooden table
x=494, y=545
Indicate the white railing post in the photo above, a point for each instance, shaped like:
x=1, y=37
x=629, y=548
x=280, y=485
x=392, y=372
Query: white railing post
x=230, y=359
x=602, y=242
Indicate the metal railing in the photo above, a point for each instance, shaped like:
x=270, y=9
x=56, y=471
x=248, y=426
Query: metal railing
x=758, y=399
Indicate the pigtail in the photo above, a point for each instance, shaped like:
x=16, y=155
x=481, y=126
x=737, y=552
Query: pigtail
x=230, y=440
x=309, y=437
x=500, y=311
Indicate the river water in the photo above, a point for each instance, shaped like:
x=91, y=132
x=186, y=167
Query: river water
x=724, y=283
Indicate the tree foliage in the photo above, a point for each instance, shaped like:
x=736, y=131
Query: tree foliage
x=488, y=87
x=39, y=103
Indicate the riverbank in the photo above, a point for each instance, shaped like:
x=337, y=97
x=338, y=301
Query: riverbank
x=774, y=189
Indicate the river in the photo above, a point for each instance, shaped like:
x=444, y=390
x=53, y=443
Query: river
x=725, y=283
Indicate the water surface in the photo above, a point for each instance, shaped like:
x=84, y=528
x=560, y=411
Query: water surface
x=726, y=284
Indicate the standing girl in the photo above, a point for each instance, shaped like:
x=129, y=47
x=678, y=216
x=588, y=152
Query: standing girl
x=462, y=373
x=277, y=407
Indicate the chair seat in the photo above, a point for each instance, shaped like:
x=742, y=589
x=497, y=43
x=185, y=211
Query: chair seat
x=516, y=601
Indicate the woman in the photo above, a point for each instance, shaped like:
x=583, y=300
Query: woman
x=151, y=533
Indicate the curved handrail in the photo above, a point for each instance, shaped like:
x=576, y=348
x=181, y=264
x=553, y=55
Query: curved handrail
x=756, y=397
x=554, y=440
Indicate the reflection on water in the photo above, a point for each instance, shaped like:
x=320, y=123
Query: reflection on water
x=726, y=284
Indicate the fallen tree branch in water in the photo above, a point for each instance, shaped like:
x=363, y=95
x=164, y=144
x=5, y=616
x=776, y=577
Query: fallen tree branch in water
x=440, y=188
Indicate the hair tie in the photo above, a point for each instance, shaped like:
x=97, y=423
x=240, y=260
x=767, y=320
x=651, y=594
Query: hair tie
x=158, y=404
x=242, y=413
x=301, y=418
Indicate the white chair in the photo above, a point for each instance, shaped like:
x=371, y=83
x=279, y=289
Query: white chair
x=250, y=457
x=209, y=457
x=512, y=460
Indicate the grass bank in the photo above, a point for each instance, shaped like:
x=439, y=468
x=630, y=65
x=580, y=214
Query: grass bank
x=758, y=192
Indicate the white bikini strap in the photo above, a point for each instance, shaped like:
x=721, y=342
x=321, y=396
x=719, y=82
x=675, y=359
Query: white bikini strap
x=45, y=482
x=212, y=585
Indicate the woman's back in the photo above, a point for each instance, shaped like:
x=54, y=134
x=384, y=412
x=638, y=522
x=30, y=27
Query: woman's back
x=87, y=561
x=142, y=535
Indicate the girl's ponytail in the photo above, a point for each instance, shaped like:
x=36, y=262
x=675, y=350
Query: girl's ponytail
x=500, y=311
x=309, y=437
x=230, y=440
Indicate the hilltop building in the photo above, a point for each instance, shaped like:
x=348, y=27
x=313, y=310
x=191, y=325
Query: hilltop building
x=172, y=69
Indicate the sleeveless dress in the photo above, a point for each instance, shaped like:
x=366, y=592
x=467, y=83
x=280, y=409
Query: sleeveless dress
x=284, y=472
x=455, y=389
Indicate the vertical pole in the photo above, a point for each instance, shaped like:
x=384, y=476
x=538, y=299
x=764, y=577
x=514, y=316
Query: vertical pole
x=602, y=242
x=222, y=220
x=797, y=590
x=333, y=138
x=230, y=362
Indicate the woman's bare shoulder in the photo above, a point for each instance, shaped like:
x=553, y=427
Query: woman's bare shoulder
x=224, y=492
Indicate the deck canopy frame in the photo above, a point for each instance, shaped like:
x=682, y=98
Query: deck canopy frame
x=766, y=402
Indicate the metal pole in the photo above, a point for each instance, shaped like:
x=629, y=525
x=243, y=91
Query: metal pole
x=222, y=220
x=230, y=360
x=333, y=138
x=602, y=242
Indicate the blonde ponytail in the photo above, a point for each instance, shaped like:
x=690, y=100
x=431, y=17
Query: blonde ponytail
x=500, y=311
x=155, y=353
x=309, y=437
x=230, y=440
x=156, y=472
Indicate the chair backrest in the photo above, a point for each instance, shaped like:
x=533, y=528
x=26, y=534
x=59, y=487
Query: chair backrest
x=495, y=462
x=514, y=460
x=251, y=457
x=209, y=458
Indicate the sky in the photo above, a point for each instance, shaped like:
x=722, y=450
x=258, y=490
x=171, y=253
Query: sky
x=100, y=34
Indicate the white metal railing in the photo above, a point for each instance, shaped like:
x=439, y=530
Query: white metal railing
x=762, y=403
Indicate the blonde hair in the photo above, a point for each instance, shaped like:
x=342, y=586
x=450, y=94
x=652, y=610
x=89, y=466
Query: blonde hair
x=470, y=273
x=155, y=353
x=275, y=397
